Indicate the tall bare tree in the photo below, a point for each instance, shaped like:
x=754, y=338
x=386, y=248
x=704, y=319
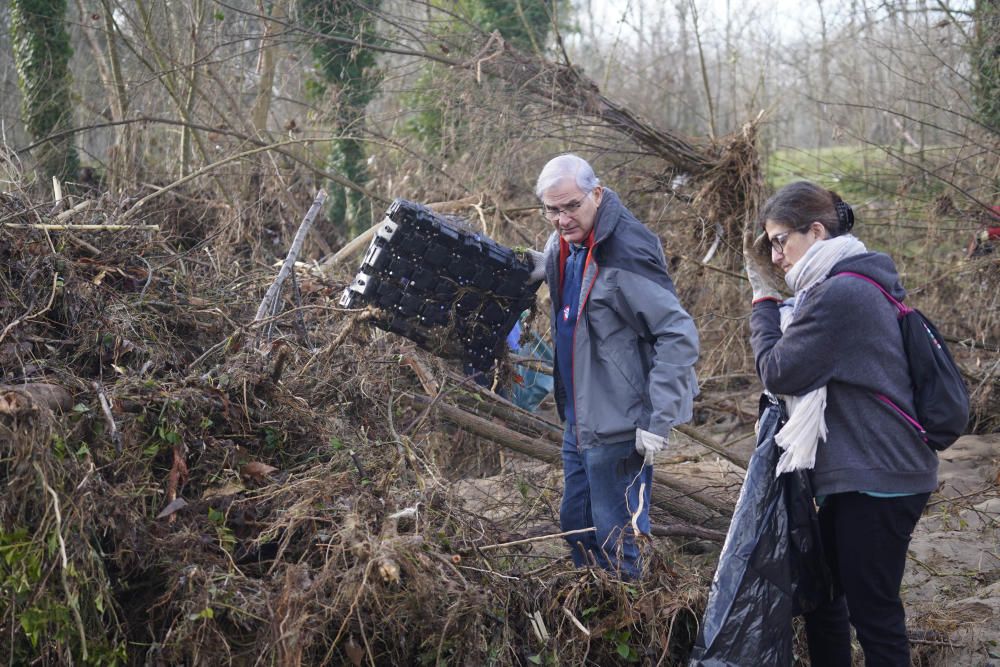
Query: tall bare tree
x=42, y=52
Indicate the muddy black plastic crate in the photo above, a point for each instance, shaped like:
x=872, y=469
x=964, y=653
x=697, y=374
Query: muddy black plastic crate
x=450, y=290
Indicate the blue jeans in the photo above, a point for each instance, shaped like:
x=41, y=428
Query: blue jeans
x=601, y=490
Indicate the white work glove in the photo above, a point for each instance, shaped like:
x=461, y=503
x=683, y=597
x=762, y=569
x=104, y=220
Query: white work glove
x=761, y=280
x=647, y=444
x=537, y=260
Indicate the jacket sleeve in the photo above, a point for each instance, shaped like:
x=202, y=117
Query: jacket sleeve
x=803, y=358
x=648, y=302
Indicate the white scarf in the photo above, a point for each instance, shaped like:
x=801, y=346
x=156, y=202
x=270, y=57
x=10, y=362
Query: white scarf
x=806, y=424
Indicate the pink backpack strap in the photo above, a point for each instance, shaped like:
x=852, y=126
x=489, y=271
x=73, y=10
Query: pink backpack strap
x=902, y=307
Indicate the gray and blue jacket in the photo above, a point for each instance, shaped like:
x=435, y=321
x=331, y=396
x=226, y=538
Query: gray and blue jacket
x=846, y=336
x=633, y=347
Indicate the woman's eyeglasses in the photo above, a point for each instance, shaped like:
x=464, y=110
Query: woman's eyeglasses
x=553, y=212
x=778, y=242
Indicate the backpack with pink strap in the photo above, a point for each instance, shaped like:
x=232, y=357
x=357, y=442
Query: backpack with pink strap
x=940, y=396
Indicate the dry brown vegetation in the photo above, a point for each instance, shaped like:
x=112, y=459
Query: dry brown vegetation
x=186, y=485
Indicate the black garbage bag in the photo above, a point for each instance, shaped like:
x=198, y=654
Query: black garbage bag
x=812, y=581
x=771, y=567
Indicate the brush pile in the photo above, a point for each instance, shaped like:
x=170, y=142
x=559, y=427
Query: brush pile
x=186, y=482
x=183, y=485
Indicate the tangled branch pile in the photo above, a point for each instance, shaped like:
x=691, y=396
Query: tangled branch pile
x=197, y=490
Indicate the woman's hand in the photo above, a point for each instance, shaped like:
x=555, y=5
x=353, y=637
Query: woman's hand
x=762, y=280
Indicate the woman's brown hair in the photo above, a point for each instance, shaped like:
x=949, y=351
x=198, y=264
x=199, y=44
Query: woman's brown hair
x=797, y=205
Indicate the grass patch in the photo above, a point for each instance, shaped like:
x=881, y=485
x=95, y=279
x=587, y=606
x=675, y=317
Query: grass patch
x=858, y=172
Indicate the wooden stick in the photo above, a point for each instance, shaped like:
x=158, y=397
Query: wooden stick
x=116, y=436
x=81, y=228
x=82, y=206
x=575, y=621
x=490, y=404
x=499, y=406
x=669, y=493
x=712, y=445
x=351, y=247
x=271, y=296
x=537, y=538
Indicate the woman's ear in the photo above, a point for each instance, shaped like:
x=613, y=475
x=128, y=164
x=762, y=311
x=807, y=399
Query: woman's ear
x=818, y=230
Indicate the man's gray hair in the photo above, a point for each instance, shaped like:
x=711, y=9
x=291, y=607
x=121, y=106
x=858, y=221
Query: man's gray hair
x=566, y=166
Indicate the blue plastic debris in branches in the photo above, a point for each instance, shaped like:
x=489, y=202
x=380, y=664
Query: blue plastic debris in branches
x=451, y=291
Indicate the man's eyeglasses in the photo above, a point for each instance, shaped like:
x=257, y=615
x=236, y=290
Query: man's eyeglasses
x=553, y=212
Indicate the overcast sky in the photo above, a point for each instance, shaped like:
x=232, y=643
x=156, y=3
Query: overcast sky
x=786, y=18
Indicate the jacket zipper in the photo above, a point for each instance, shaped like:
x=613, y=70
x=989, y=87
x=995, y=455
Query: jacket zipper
x=913, y=422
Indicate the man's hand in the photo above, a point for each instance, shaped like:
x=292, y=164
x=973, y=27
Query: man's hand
x=761, y=280
x=537, y=266
x=648, y=444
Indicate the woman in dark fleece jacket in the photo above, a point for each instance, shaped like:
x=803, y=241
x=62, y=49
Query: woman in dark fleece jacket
x=834, y=352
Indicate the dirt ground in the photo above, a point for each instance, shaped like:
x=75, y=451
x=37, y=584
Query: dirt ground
x=952, y=583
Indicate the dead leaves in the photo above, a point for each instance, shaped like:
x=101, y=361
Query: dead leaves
x=258, y=472
x=173, y=506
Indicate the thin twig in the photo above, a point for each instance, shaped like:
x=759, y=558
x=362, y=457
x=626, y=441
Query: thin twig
x=26, y=317
x=116, y=436
x=201, y=172
x=539, y=538
x=732, y=274
x=80, y=228
x=271, y=296
x=575, y=621
x=70, y=597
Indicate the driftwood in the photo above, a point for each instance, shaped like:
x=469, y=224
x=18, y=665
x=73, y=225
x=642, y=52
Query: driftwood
x=267, y=304
x=352, y=247
x=668, y=493
x=81, y=228
x=22, y=398
x=487, y=403
x=712, y=445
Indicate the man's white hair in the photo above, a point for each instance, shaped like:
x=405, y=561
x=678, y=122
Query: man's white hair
x=566, y=166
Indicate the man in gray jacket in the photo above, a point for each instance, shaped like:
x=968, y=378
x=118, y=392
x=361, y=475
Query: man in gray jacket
x=625, y=351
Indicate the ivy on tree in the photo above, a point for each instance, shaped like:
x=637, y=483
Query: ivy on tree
x=42, y=52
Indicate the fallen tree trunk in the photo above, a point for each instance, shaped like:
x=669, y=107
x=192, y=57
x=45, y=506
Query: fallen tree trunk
x=485, y=403
x=667, y=493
